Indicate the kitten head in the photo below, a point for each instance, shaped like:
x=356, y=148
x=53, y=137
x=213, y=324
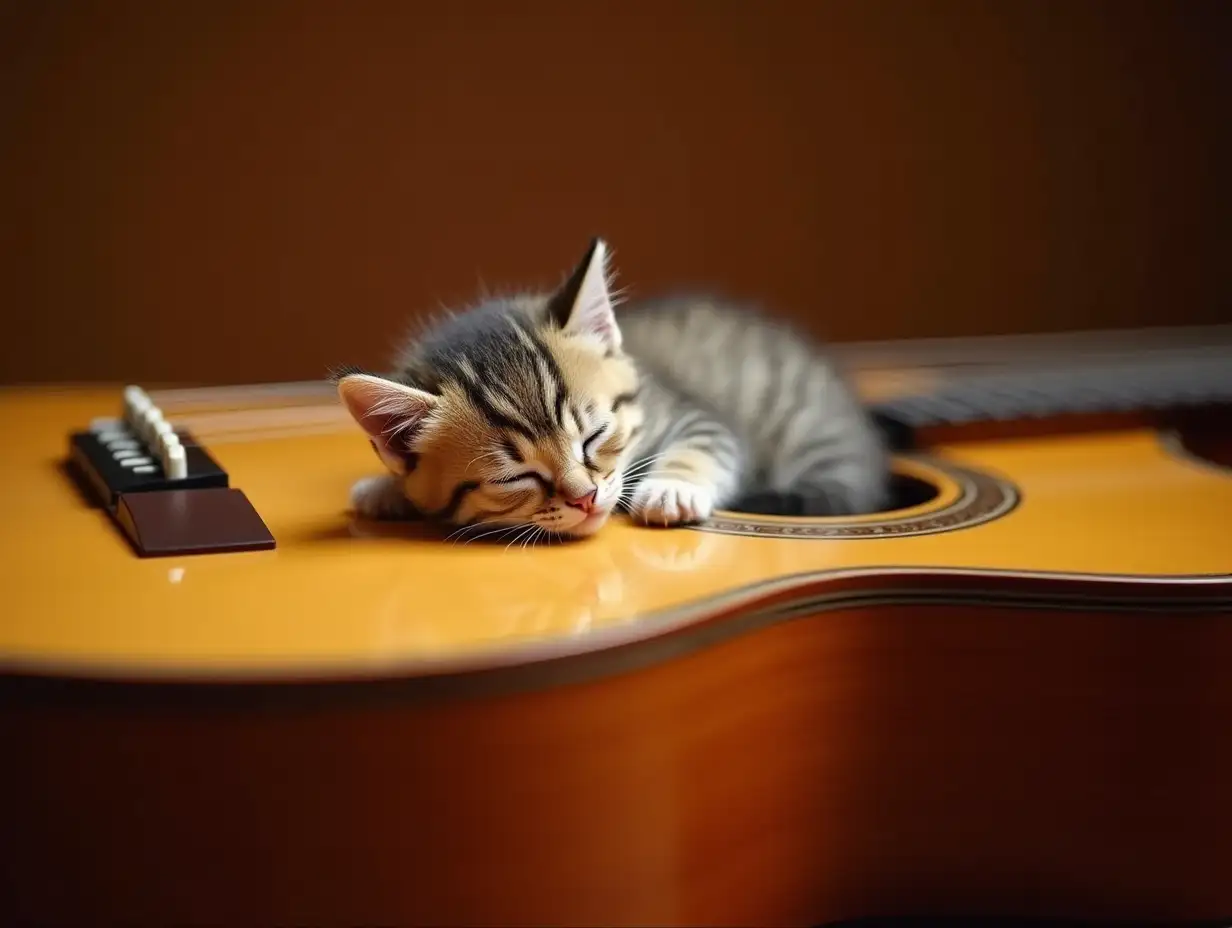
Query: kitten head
x=521, y=411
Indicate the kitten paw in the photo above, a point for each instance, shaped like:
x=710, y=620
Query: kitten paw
x=379, y=498
x=670, y=501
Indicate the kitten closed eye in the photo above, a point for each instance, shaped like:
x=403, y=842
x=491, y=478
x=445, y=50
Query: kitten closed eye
x=589, y=444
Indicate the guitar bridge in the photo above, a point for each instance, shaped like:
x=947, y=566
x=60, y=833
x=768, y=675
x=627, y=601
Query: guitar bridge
x=162, y=487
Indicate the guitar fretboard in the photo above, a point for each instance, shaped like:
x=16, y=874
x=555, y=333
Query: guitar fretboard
x=1010, y=395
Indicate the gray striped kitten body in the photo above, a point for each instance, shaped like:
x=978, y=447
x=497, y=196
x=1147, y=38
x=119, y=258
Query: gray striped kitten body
x=553, y=410
x=802, y=441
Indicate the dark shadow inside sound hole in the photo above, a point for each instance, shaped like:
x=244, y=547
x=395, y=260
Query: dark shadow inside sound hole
x=1208, y=441
x=905, y=492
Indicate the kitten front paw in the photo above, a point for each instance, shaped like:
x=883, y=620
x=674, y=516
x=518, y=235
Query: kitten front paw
x=379, y=498
x=671, y=501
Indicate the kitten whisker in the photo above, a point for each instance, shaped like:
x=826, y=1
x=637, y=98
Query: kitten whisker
x=458, y=531
x=499, y=530
x=487, y=454
x=516, y=538
x=461, y=530
x=642, y=466
x=649, y=458
x=641, y=471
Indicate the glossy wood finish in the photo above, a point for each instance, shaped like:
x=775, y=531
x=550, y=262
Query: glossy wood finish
x=338, y=597
x=1028, y=716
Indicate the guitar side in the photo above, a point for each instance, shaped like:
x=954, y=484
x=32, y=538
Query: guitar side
x=896, y=758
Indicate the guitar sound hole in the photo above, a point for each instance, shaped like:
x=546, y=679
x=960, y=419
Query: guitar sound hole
x=905, y=492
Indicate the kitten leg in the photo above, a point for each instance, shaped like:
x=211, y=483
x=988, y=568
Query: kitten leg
x=380, y=498
x=697, y=471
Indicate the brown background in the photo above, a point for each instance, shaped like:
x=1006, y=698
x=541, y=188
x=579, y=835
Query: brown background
x=208, y=191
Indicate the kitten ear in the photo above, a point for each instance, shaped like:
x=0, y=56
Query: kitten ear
x=389, y=412
x=583, y=304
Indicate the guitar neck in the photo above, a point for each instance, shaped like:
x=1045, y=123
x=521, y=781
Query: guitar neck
x=948, y=389
x=1002, y=351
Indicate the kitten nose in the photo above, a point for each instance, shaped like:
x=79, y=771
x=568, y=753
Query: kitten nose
x=585, y=502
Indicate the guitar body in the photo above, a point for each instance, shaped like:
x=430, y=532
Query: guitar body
x=1010, y=695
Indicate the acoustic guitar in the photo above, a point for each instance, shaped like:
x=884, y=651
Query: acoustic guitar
x=226, y=700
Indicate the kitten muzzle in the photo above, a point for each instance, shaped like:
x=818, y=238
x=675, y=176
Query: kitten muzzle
x=585, y=502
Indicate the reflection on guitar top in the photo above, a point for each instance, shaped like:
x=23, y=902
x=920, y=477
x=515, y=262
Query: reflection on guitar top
x=564, y=591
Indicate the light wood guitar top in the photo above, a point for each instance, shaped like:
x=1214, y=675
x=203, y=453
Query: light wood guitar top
x=340, y=597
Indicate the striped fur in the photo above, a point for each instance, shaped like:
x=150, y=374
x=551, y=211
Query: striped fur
x=502, y=414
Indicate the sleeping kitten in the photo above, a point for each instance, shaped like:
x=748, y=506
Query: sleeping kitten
x=552, y=410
